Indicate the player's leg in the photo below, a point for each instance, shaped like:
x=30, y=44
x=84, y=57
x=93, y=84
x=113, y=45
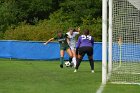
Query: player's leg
x=91, y=61
x=70, y=54
x=74, y=57
x=90, y=57
x=80, y=57
x=61, y=58
x=73, y=50
x=77, y=52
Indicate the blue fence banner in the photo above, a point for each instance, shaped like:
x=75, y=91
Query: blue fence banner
x=38, y=51
x=129, y=52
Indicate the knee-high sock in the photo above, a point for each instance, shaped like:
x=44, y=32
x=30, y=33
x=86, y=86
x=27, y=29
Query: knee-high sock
x=61, y=60
x=78, y=63
x=70, y=59
x=74, y=60
x=91, y=64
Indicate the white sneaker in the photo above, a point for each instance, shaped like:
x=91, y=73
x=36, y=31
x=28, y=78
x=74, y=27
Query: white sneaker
x=75, y=71
x=92, y=71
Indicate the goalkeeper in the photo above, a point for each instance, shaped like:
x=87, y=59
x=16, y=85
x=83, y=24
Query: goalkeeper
x=85, y=45
x=63, y=41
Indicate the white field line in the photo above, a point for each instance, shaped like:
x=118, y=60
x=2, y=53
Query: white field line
x=125, y=83
x=101, y=88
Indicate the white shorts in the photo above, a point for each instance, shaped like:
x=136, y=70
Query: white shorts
x=72, y=48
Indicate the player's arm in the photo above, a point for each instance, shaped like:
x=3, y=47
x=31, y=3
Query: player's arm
x=78, y=42
x=68, y=40
x=77, y=46
x=92, y=41
x=77, y=31
x=67, y=37
x=48, y=41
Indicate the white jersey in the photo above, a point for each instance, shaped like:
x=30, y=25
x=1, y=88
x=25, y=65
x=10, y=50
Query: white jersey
x=72, y=42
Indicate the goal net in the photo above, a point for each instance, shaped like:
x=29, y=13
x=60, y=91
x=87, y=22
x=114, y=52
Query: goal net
x=125, y=42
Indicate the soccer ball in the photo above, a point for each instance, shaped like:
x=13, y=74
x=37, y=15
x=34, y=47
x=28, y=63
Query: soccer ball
x=67, y=63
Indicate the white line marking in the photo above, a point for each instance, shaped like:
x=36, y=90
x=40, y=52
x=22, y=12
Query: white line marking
x=101, y=88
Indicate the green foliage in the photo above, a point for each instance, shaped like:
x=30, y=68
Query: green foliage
x=46, y=29
x=39, y=32
x=34, y=10
x=95, y=27
x=40, y=19
x=79, y=9
x=24, y=32
x=31, y=11
x=8, y=12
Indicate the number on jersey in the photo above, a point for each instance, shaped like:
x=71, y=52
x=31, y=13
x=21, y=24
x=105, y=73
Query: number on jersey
x=86, y=37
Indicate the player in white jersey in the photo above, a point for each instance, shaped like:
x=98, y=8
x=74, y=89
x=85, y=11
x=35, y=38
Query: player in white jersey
x=72, y=42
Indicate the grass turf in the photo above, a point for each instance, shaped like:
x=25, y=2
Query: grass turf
x=18, y=76
x=46, y=77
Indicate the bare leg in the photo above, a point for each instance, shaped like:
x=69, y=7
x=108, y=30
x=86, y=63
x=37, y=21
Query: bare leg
x=74, y=57
x=79, y=59
x=70, y=54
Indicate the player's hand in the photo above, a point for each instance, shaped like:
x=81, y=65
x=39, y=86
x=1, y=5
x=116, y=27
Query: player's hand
x=78, y=29
x=45, y=43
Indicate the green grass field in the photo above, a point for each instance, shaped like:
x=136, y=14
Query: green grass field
x=22, y=76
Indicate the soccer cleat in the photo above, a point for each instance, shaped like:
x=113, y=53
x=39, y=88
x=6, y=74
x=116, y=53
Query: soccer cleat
x=61, y=65
x=92, y=71
x=75, y=70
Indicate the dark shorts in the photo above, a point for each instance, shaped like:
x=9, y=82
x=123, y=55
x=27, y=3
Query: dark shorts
x=86, y=50
x=64, y=47
x=77, y=51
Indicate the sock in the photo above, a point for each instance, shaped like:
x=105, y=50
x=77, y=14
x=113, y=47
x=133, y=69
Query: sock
x=74, y=60
x=70, y=59
x=91, y=64
x=78, y=63
x=61, y=60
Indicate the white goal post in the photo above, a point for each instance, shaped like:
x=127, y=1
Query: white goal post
x=121, y=41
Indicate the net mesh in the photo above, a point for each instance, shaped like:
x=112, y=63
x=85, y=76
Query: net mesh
x=126, y=42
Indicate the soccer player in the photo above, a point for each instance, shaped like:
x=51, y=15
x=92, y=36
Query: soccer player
x=85, y=45
x=72, y=42
x=63, y=41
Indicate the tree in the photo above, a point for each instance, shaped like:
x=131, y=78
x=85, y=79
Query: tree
x=8, y=12
x=48, y=16
x=79, y=9
x=35, y=10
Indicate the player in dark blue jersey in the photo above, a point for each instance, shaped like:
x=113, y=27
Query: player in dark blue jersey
x=85, y=46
